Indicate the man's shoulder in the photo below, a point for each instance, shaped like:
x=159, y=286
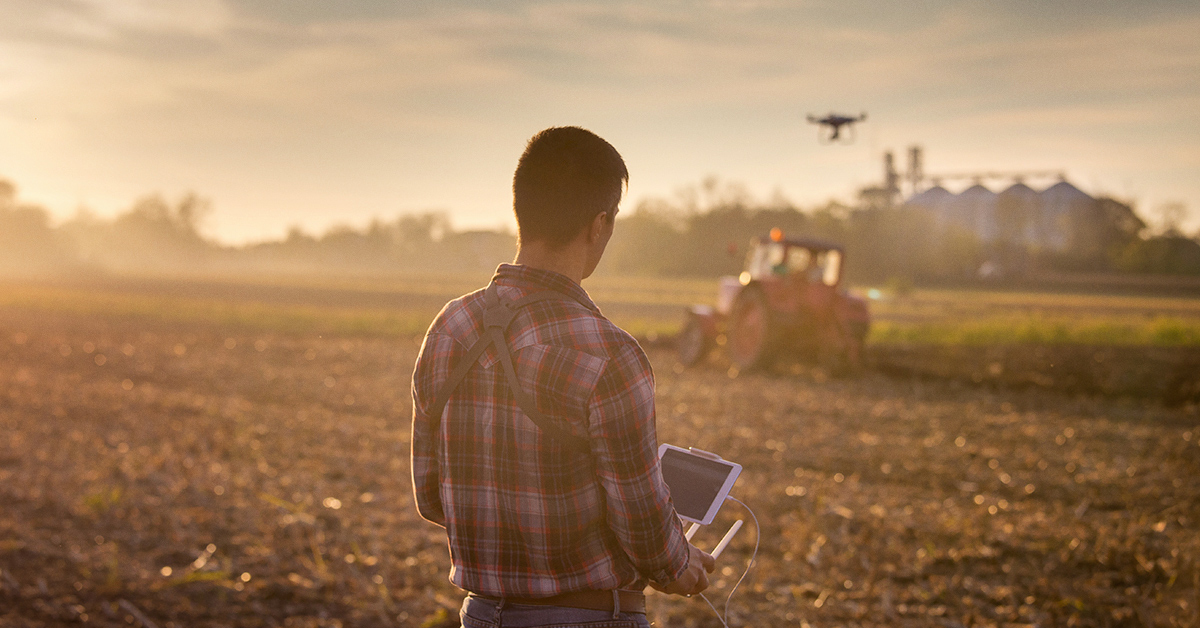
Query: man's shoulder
x=459, y=318
x=561, y=322
x=568, y=323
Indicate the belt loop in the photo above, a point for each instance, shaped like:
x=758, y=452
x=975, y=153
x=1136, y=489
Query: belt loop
x=496, y=613
x=616, y=604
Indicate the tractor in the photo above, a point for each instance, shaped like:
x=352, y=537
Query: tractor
x=789, y=299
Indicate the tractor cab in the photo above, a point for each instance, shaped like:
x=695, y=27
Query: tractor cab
x=788, y=297
x=798, y=275
x=815, y=261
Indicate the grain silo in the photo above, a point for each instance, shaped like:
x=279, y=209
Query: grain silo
x=1018, y=211
x=935, y=200
x=1063, y=207
x=974, y=209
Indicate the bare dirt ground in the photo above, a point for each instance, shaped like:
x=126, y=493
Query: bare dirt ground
x=1170, y=375
x=189, y=475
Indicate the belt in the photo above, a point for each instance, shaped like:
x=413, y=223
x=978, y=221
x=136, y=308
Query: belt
x=631, y=601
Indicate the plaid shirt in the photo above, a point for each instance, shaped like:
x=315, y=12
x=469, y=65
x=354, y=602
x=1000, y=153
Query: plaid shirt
x=526, y=516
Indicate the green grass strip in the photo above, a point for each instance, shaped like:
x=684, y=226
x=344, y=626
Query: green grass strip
x=249, y=315
x=1165, y=331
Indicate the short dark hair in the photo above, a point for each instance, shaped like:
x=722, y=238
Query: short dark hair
x=565, y=177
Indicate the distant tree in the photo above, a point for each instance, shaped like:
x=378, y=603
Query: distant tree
x=647, y=242
x=1118, y=227
x=830, y=220
x=152, y=236
x=474, y=251
x=1100, y=239
x=416, y=234
x=409, y=243
x=1171, y=254
x=1171, y=215
x=884, y=244
x=296, y=235
x=29, y=245
x=153, y=218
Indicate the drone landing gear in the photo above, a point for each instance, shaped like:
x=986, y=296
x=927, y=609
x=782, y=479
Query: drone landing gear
x=837, y=135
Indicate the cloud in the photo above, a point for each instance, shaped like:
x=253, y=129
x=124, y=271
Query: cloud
x=110, y=20
x=634, y=57
x=700, y=86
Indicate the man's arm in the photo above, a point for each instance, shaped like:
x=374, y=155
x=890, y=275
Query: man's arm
x=425, y=442
x=695, y=578
x=625, y=445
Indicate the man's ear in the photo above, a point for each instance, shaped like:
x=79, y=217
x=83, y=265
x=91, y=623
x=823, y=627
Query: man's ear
x=596, y=229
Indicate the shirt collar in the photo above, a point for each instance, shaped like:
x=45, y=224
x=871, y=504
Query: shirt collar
x=535, y=278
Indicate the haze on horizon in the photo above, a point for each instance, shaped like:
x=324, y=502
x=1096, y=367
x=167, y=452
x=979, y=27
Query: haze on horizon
x=311, y=113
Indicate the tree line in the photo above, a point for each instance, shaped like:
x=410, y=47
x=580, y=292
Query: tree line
x=704, y=230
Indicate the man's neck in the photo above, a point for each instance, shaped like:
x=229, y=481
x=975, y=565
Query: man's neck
x=569, y=260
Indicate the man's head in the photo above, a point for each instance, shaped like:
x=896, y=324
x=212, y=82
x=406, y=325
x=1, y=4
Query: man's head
x=566, y=177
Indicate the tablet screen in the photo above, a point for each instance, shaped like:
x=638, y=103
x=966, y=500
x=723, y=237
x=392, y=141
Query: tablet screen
x=694, y=481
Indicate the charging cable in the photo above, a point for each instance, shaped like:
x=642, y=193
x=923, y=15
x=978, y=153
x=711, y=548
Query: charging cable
x=724, y=617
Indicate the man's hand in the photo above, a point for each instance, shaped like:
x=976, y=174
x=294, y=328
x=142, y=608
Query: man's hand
x=695, y=578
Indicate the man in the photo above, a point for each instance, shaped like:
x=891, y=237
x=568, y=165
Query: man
x=533, y=437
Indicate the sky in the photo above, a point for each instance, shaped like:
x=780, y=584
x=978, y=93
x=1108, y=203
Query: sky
x=311, y=113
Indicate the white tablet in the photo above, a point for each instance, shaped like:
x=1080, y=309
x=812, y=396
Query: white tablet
x=699, y=481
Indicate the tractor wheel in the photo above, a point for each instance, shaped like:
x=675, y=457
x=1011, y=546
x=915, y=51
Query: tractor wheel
x=751, y=334
x=693, y=344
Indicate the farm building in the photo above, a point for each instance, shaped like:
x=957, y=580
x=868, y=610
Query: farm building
x=1058, y=219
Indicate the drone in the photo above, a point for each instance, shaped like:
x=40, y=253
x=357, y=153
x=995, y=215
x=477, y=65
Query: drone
x=835, y=122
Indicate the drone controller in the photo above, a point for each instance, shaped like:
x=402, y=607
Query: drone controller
x=700, y=482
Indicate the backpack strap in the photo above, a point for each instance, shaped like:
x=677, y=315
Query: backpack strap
x=497, y=316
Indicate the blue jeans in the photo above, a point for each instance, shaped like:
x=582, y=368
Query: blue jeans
x=482, y=613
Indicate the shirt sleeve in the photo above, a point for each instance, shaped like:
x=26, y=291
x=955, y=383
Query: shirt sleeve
x=625, y=445
x=426, y=475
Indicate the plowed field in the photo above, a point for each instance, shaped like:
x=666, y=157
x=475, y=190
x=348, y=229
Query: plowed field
x=190, y=474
